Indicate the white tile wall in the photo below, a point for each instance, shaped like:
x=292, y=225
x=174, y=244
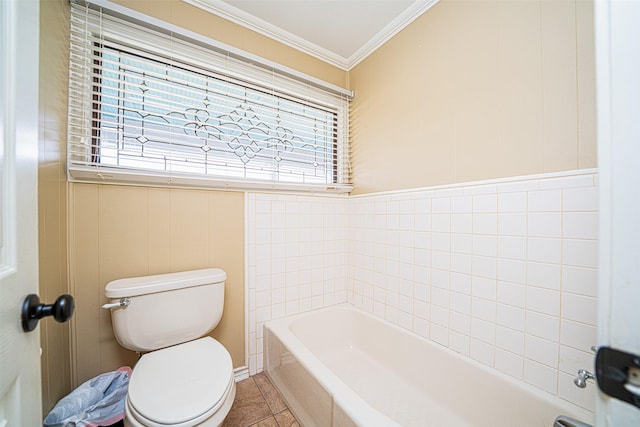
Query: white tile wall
x=504, y=272
x=296, y=259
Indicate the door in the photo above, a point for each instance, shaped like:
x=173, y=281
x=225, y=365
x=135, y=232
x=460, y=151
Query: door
x=20, y=390
x=618, y=94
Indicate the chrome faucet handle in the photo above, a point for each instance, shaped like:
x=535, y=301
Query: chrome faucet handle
x=564, y=421
x=583, y=376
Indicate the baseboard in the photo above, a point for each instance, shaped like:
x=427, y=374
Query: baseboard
x=241, y=373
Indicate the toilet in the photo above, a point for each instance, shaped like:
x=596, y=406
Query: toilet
x=184, y=378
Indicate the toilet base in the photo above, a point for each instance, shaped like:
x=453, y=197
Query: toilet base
x=215, y=420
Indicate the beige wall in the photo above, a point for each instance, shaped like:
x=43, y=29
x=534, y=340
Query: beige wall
x=52, y=198
x=476, y=90
x=121, y=231
x=473, y=90
x=187, y=16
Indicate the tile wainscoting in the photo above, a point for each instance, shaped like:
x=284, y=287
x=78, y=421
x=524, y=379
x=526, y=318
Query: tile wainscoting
x=502, y=271
x=296, y=259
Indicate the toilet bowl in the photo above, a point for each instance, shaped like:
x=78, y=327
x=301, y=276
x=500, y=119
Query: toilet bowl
x=183, y=379
x=186, y=385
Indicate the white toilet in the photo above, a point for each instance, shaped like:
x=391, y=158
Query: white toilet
x=182, y=380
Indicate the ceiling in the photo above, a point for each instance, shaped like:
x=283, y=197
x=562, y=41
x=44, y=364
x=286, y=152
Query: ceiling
x=340, y=32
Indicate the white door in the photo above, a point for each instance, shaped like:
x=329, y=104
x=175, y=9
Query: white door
x=618, y=94
x=20, y=390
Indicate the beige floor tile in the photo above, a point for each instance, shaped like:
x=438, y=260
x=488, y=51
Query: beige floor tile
x=259, y=404
x=271, y=395
x=249, y=406
x=269, y=422
x=286, y=419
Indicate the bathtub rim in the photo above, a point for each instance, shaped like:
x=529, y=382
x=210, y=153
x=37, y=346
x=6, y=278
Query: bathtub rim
x=358, y=409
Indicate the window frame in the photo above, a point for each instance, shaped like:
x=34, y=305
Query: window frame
x=113, y=34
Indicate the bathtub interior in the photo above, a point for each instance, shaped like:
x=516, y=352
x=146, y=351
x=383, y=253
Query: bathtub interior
x=341, y=358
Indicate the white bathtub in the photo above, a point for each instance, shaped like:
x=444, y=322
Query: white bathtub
x=343, y=367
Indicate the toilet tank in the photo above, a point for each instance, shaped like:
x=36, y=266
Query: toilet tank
x=166, y=309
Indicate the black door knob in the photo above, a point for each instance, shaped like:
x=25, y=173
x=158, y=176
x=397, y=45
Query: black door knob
x=32, y=310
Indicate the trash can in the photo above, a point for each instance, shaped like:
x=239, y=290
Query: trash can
x=97, y=402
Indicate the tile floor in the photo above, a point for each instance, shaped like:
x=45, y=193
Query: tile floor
x=258, y=404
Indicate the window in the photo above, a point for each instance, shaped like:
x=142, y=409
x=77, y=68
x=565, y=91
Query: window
x=151, y=107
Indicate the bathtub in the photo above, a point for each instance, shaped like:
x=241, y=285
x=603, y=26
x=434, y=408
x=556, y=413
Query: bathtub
x=340, y=366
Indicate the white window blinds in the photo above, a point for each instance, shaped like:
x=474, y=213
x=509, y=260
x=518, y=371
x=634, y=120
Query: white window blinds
x=148, y=105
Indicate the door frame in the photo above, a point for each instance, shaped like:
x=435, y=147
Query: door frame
x=618, y=123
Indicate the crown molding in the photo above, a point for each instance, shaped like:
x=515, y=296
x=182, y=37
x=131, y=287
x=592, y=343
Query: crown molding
x=409, y=15
x=242, y=18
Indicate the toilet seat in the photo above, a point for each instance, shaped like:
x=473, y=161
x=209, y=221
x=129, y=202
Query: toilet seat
x=181, y=385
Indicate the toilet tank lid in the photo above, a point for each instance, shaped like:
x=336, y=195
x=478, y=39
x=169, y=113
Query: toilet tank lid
x=135, y=286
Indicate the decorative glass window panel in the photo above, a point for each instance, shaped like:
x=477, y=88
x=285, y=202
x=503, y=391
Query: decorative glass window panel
x=142, y=114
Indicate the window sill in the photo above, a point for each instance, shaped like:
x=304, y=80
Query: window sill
x=105, y=175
